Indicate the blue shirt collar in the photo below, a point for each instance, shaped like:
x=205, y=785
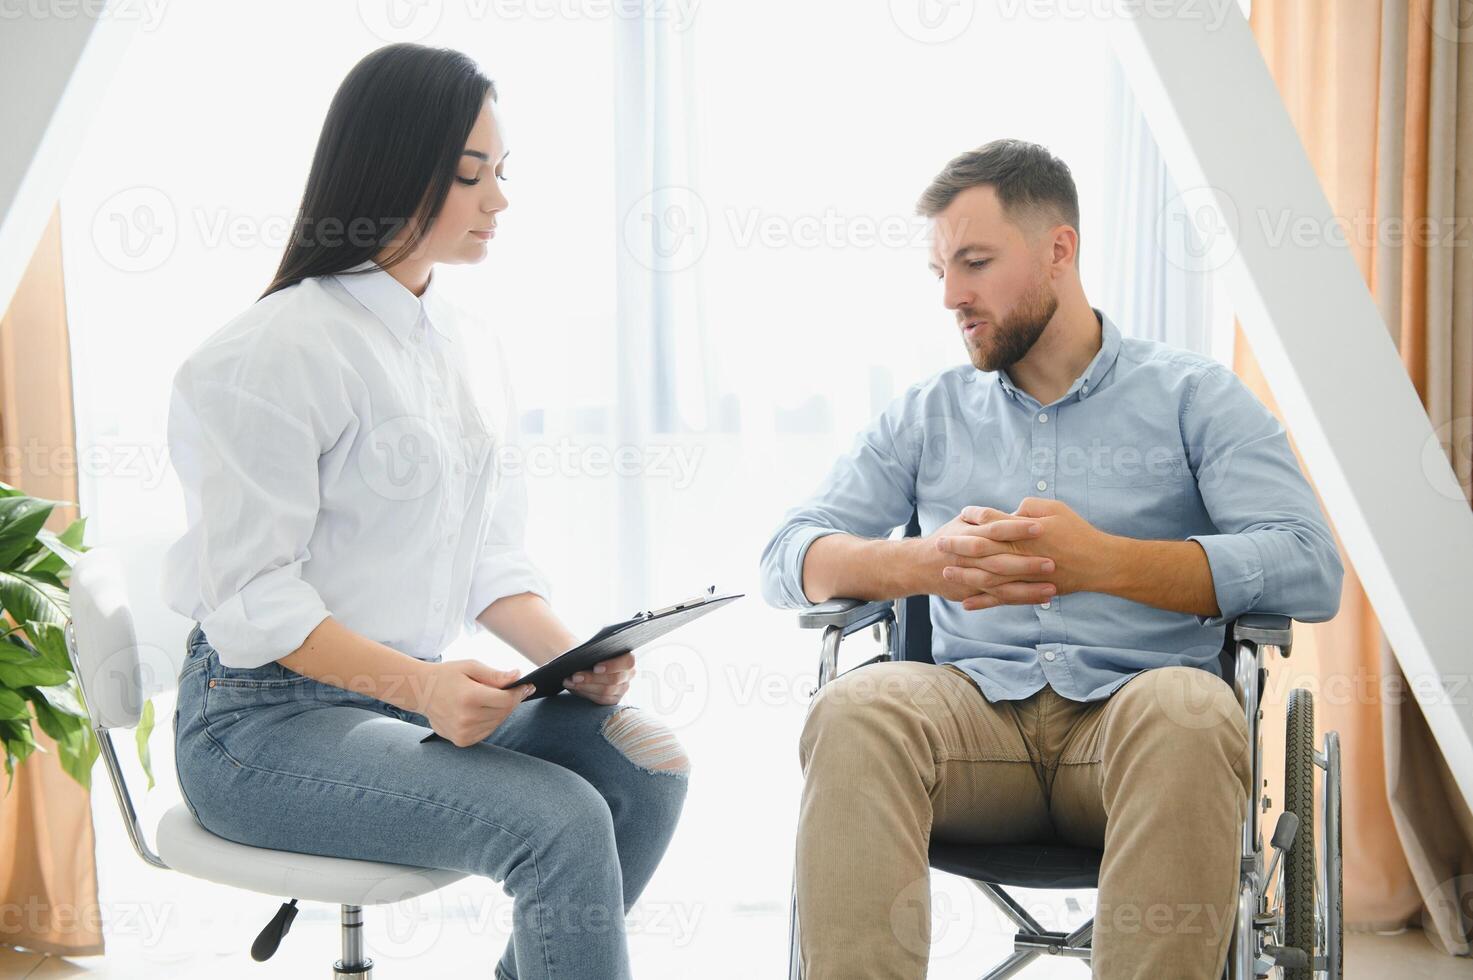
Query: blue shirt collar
x=1094, y=374
x=389, y=300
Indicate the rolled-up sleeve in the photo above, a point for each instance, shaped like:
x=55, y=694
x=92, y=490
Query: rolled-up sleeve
x=248, y=468
x=1274, y=551
x=868, y=492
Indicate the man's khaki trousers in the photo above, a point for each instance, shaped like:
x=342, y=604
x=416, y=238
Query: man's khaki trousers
x=1157, y=775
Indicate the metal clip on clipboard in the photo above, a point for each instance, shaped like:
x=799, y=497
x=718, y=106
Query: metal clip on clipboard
x=650, y=614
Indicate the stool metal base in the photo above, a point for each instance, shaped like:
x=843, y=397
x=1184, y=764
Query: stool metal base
x=354, y=965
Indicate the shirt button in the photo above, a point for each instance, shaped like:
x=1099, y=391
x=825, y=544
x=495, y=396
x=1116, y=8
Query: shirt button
x=439, y=604
x=1043, y=416
x=1048, y=655
x=1044, y=605
x=449, y=539
x=1042, y=484
x=1085, y=389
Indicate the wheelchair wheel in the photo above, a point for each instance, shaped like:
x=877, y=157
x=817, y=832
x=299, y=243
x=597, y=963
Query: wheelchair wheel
x=1299, y=863
x=1333, y=864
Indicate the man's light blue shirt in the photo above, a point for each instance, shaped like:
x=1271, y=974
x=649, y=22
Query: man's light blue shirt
x=1149, y=442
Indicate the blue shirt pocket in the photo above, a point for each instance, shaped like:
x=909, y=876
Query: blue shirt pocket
x=1147, y=500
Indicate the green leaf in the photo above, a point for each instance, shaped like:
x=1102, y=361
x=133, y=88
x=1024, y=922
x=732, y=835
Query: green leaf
x=17, y=730
x=60, y=551
x=21, y=518
x=50, y=578
x=35, y=564
x=27, y=597
x=17, y=651
x=64, y=698
x=30, y=675
x=72, y=536
x=18, y=742
x=54, y=721
x=77, y=748
x=140, y=735
x=77, y=752
x=12, y=705
x=32, y=554
x=49, y=640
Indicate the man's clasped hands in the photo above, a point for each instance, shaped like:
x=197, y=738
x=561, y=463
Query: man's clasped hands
x=987, y=557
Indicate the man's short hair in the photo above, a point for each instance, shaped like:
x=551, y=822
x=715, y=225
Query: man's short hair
x=1030, y=182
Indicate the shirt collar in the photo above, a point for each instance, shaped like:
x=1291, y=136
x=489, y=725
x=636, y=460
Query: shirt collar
x=389, y=300
x=1094, y=375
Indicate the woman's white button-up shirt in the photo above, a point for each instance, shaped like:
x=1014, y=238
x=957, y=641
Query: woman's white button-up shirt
x=345, y=449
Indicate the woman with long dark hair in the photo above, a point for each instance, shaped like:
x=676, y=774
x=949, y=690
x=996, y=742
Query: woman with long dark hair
x=343, y=446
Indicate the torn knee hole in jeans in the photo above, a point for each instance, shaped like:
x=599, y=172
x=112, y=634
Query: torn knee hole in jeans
x=645, y=742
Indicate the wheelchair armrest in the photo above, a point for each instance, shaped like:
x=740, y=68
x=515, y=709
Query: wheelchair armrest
x=847, y=614
x=1265, y=629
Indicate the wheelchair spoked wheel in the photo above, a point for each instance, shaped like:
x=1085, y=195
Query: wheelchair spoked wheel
x=1312, y=890
x=1299, y=869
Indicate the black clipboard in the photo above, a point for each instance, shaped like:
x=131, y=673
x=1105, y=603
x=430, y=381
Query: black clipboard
x=614, y=639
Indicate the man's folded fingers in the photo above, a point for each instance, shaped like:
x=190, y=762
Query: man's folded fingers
x=978, y=578
x=977, y=514
x=1008, y=529
x=1004, y=589
x=967, y=545
x=1023, y=593
x=982, y=600
x=1009, y=565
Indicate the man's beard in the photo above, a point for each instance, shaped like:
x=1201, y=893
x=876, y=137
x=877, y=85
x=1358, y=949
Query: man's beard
x=1007, y=342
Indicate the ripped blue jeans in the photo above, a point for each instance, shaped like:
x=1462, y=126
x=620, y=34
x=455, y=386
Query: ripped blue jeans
x=569, y=804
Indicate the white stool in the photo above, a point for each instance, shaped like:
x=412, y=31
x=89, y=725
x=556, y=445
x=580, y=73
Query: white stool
x=103, y=646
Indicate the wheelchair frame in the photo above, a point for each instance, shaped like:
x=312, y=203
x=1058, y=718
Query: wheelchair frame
x=1255, y=950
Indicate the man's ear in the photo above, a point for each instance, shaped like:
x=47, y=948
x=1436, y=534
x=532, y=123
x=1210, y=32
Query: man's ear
x=1064, y=248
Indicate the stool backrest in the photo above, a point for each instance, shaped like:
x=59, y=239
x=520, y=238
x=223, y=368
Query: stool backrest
x=102, y=641
x=103, y=645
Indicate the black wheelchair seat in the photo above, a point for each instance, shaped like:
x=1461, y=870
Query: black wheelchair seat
x=1020, y=865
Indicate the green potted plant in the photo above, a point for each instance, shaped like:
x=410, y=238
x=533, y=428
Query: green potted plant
x=36, y=676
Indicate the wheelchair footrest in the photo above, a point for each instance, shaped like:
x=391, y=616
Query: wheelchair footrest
x=1288, y=957
x=1049, y=943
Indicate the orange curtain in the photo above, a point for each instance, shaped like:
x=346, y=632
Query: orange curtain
x=48, y=870
x=1376, y=89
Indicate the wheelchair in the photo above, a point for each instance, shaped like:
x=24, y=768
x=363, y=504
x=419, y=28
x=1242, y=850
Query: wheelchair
x=1289, y=919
